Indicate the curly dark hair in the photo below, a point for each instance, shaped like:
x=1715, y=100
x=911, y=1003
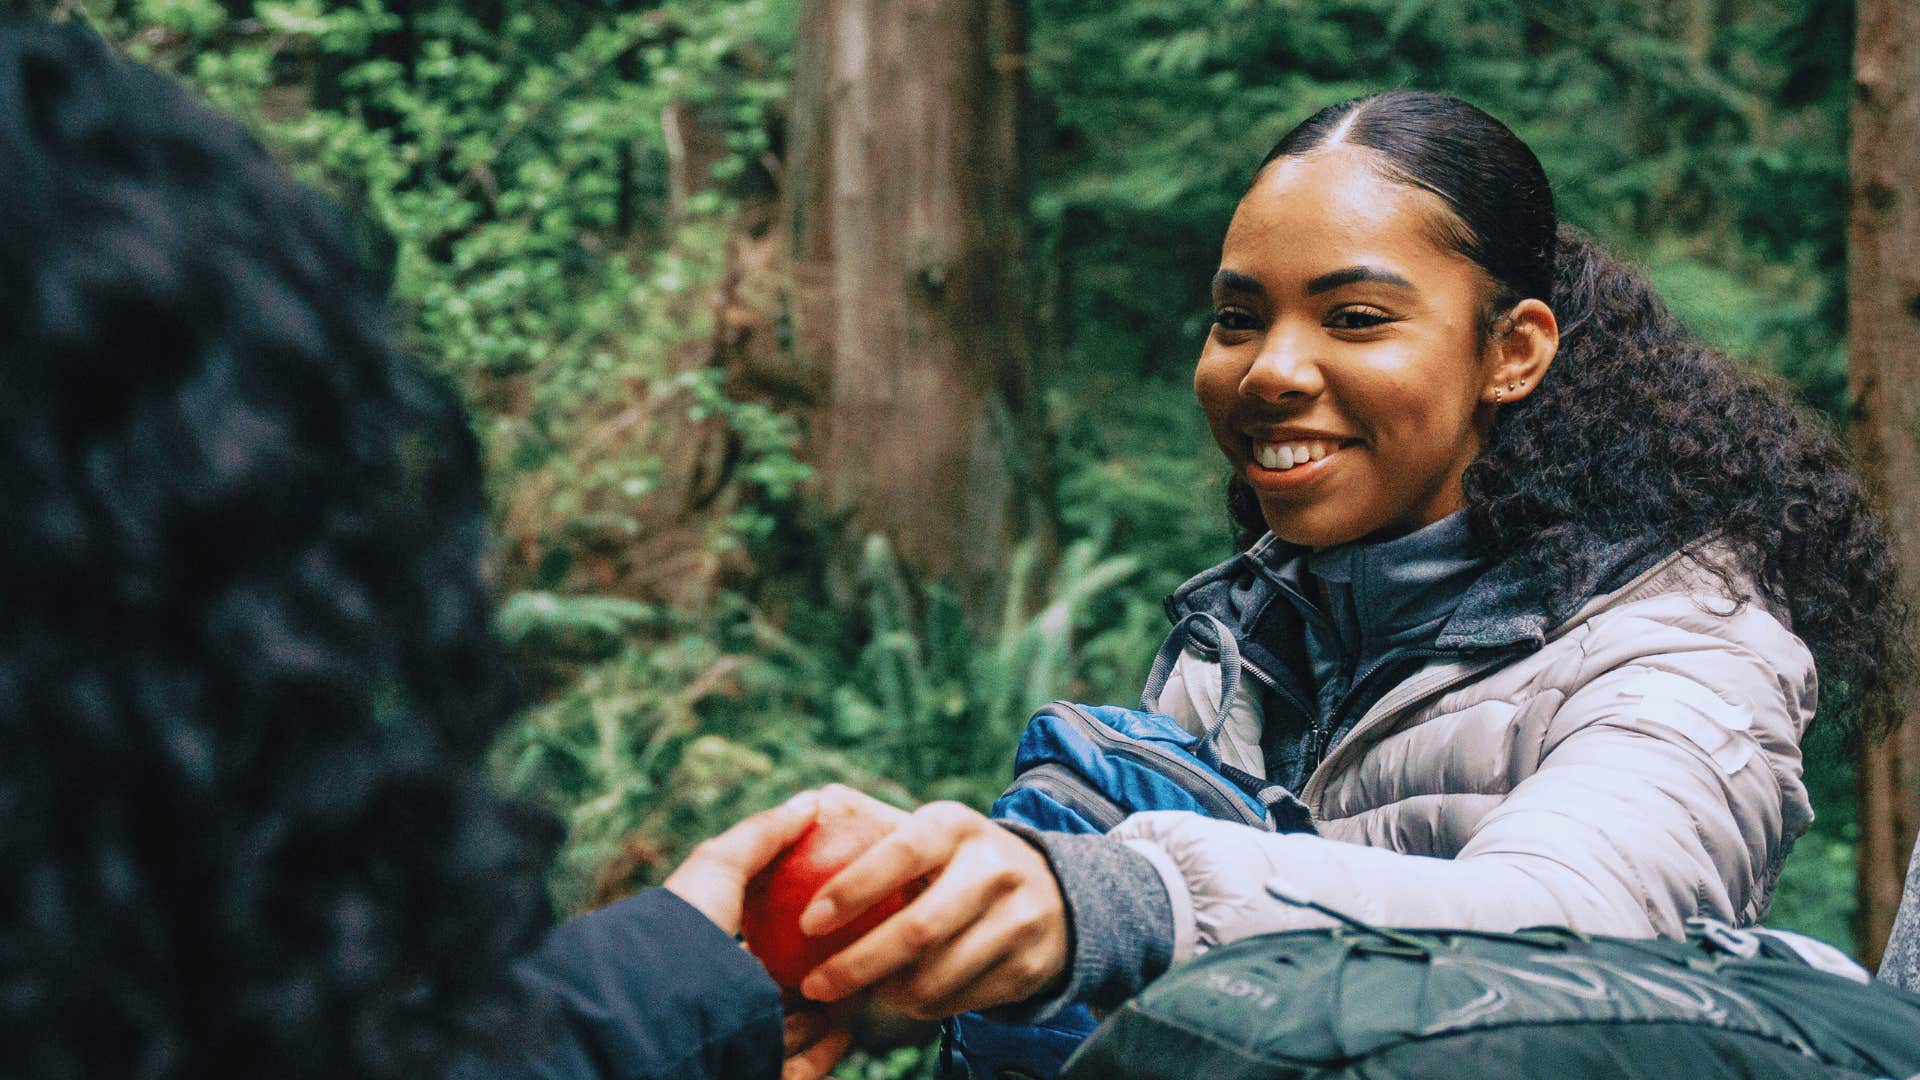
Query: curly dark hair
x=247, y=674
x=1638, y=431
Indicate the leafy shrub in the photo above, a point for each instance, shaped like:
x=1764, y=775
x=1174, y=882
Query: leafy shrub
x=671, y=741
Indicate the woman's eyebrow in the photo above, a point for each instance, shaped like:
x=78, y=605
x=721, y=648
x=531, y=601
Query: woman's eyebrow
x=1235, y=281
x=1354, y=274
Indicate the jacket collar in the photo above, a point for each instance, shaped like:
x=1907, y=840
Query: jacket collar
x=1503, y=608
x=1507, y=608
x=1396, y=591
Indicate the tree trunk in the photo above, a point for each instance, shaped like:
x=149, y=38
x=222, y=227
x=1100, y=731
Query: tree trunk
x=906, y=209
x=1883, y=237
x=696, y=142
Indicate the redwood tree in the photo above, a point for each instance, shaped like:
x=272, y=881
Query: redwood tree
x=1884, y=312
x=906, y=207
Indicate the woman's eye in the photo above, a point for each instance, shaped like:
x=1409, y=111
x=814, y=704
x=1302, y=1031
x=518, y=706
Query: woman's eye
x=1231, y=319
x=1357, y=319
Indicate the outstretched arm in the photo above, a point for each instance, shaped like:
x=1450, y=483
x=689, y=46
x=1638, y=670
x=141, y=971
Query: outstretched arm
x=1657, y=799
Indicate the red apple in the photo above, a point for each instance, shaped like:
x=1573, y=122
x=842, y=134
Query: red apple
x=846, y=827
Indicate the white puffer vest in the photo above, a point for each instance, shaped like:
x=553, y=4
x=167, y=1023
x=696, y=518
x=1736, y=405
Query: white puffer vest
x=1639, y=769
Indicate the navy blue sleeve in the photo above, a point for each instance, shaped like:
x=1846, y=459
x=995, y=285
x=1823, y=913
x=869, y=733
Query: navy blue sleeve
x=643, y=989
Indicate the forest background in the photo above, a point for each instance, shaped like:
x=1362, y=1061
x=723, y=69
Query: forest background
x=628, y=233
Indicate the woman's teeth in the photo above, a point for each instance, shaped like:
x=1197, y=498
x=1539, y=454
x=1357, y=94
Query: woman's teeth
x=1285, y=456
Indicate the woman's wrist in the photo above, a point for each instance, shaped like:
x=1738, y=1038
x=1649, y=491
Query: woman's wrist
x=1119, y=923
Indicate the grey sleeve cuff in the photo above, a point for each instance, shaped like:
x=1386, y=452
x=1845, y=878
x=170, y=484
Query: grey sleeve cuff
x=1120, y=923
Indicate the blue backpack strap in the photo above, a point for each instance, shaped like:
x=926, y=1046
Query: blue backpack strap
x=1169, y=655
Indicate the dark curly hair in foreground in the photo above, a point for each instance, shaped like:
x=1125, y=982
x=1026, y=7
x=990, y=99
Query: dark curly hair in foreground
x=1638, y=431
x=246, y=671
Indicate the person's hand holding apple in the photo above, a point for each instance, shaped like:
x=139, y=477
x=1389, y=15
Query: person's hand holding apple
x=846, y=824
x=871, y=917
x=989, y=927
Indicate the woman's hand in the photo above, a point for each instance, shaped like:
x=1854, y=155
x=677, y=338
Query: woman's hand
x=990, y=929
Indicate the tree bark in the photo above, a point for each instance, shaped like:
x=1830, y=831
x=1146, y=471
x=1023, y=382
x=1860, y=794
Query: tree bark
x=906, y=209
x=1883, y=272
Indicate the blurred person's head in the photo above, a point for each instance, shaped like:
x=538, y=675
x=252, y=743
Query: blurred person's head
x=246, y=670
x=1403, y=329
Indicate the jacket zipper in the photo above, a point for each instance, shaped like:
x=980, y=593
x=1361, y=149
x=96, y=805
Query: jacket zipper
x=1260, y=675
x=1360, y=683
x=1299, y=705
x=1209, y=789
x=1318, y=733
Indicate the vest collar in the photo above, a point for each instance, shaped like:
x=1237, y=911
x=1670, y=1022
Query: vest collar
x=1503, y=608
x=1396, y=591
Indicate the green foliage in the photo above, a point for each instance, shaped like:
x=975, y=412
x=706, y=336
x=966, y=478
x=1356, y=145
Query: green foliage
x=1817, y=896
x=577, y=628
x=505, y=167
x=673, y=740
x=1137, y=467
x=1817, y=893
x=940, y=709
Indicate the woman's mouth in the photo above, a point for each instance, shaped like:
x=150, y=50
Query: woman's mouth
x=1293, y=461
x=1284, y=456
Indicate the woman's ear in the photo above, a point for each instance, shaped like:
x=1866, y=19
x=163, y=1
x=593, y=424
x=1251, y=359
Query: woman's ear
x=1520, y=350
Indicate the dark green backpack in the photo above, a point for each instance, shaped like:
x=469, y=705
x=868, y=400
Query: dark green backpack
x=1362, y=1002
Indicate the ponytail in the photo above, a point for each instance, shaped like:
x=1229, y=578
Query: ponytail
x=1638, y=432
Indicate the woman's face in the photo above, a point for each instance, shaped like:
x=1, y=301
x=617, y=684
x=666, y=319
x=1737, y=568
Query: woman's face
x=1347, y=336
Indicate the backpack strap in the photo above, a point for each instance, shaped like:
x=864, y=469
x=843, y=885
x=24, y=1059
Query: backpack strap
x=1169, y=655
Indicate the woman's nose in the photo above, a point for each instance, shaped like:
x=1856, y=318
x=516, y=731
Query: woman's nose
x=1286, y=366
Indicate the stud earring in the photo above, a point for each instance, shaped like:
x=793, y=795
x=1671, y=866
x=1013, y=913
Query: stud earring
x=1497, y=395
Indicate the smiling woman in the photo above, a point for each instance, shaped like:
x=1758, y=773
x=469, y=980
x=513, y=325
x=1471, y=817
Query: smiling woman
x=1535, y=592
